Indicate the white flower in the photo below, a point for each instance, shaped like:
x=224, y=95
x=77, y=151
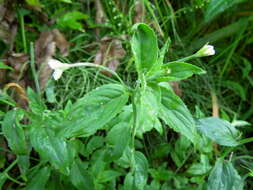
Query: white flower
x=58, y=68
x=206, y=50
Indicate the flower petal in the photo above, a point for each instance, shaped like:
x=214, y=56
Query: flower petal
x=57, y=74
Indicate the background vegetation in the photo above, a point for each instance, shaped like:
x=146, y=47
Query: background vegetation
x=99, y=31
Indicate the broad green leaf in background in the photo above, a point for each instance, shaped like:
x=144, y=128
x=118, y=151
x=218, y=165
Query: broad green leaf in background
x=224, y=177
x=144, y=47
x=216, y=7
x=180, y=151
x=39, y=180
x=200, y=168
x=52, y=148
x=3, y=66
x=98, y=162
x=129, y=181
x=176, y=115
x=80, y=177
x=141, y=171
x=118, y=138
x=94, y=143
x=14, y=133
x=161, y=174
x=71, y=20
x=220, y=131
x=35, y=102
x=108, y=175
x=94, y=110
x=176, y=71
x=155, y=185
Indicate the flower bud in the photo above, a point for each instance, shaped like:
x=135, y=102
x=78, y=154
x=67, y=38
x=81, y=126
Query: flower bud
x=206, y=50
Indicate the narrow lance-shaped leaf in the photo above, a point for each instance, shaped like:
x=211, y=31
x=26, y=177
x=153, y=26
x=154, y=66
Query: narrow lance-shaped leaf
x=94, y=110
x=14, y=133
x=80, y=177
x=52, y=148
x=39, y=180
x=176, y=71
x=176, y=115
x=141, y=171
x=118, y=138
x=144, y=47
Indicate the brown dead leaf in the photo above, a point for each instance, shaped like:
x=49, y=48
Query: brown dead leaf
x=139, y=11
x=45, y=48
x=176, y=88
x=61, y=42
x=100, y=15
x=17, y=62
x=8, y=24
x=109, y=54
x=19, y=94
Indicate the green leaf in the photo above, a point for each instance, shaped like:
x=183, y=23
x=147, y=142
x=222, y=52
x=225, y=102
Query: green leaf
x=14, y=133
x=4, y=98
x=71, y=20
x=215, y=7
x=180, y=152
x=177, y=71
x=80, y=177
x=224, y=177
x=39, y=180
x=200, y=168
x=94, y=143
x=147, y=108
x=176, y=115
x=35, y=103
x=35, y=3
x=52, y=148
x=118, y=138
x=3, y=66
x=161, y=174
x=141, y=171
x=157, y=67
x=23, y=163
x=129, y=182
x=220, y=131
x=3, y=179
x=108, y=175
x=94, y=110
x=65, y=1
x=144, y=47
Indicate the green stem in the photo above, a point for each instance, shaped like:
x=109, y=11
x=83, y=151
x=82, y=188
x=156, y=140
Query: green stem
x=11, y=166
x=14, y=180
x=35, y=76
x=184, y=59
x=247, y=140
x=133, y=132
